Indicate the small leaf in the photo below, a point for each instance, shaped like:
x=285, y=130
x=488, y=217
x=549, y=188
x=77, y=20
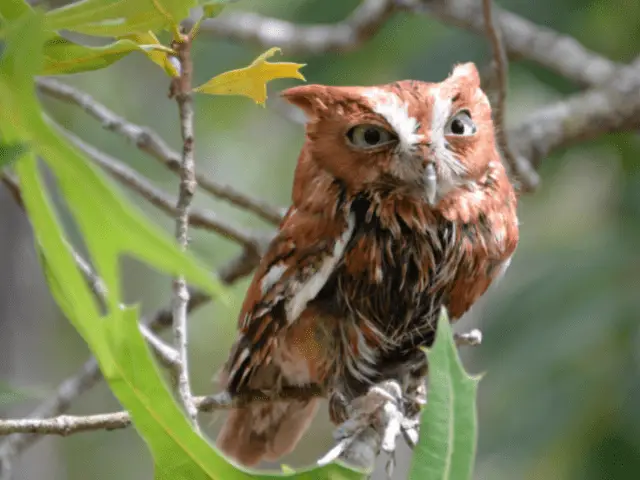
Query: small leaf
x=157, y=56
x=446, y=449
x=10, y=152
x=252, y=81
x=118, y=18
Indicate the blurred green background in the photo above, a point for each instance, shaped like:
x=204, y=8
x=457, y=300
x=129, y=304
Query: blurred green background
x=560, y=398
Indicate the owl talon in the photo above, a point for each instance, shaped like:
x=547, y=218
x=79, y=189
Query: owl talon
x=377, y=419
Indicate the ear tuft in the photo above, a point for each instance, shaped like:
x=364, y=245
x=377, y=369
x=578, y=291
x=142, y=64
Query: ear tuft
x=467, y=72
x=312, y=99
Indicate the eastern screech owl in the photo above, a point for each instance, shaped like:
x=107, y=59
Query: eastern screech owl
x=401, y=206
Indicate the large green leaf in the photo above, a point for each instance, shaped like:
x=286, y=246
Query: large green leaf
x=446, y=449
x=115, y=18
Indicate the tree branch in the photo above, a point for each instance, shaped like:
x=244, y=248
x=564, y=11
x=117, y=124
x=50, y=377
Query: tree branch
x=363, y=23
x=181, y=91
x=583, y=116
x=562, y=54
x=69, y=424
x=151, y=143
x=198, y=218
x=523, y=171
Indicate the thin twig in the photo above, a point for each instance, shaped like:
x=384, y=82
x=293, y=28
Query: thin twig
x=181, y=91
x=521, y=168
x=151, y=143
x=363, y=23
x=198, y=218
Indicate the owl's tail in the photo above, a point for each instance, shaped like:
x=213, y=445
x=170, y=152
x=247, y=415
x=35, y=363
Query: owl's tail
x=265, y=431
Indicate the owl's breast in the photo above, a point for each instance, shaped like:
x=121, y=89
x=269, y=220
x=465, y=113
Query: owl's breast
x=393, y=281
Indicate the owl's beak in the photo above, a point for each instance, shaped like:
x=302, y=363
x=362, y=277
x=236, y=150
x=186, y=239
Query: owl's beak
x=431, y=183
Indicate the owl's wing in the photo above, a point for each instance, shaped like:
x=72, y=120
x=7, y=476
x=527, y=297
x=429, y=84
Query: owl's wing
x=298, y=263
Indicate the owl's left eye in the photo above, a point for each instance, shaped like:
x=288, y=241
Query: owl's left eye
x=460, y=124
x=369, y=136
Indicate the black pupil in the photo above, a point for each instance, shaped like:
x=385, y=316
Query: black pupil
x=457, y=126
x=372, y=136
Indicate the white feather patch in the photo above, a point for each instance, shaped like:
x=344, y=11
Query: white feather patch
x=396, y=113
x=314, y=284
x=272, y=277
x=451, y=170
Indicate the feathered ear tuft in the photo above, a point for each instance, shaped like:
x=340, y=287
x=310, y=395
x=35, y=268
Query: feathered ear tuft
x=312, y=99
x=466, y=72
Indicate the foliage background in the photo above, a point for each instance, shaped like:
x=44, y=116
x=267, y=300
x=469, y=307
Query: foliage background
x=561, y=351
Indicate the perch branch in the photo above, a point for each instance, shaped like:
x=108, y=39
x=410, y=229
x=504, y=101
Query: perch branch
x=151, y=143
x=181, y=91
x=362, y=24
x=69, y=424
x=521, y=168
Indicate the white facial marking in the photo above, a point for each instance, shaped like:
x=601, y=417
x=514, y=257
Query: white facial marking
x=272, y=277
x=450, y=169
x=396, y=113
x=314, y=284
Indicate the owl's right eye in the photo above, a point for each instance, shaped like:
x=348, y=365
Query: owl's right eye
x=369, y=136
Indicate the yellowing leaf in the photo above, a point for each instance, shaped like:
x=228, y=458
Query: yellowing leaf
x=158, y=55
x=252, y=81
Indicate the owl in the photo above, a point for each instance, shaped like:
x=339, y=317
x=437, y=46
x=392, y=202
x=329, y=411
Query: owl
x=400, y=207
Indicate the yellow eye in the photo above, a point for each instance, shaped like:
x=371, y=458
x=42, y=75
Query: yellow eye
x=369, y=136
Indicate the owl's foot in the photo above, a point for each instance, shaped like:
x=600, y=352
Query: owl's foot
x=375, y=421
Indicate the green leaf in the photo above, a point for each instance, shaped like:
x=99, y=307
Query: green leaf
x=10, y=152
x=117, y=18
x=446, y=449
x=62, y=56
x=13, y=9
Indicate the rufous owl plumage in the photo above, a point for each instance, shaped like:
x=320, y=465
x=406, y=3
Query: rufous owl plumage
x=401, y=206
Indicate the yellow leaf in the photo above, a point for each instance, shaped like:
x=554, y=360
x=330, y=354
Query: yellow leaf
x=156, y=52
x=252, y=81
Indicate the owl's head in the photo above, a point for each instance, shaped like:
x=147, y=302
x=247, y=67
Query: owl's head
x=423, y=138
